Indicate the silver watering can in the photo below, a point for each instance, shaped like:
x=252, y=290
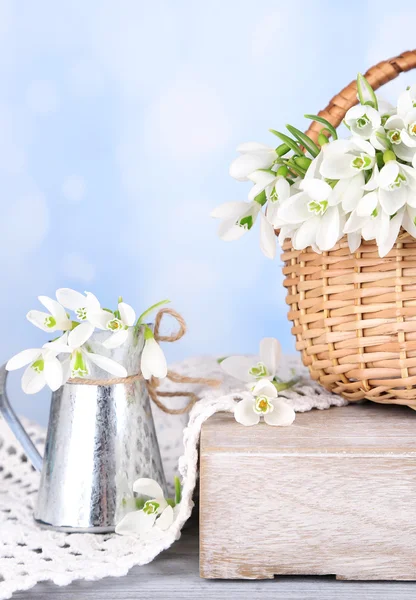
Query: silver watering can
x=100, y=439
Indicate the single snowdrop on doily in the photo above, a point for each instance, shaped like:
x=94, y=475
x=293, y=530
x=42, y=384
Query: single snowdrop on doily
x=264, y=403
x=155, y=511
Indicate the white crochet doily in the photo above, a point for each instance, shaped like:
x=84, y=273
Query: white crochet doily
x=29, y=555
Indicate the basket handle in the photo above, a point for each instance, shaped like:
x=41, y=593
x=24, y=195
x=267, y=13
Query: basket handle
x=377, y=76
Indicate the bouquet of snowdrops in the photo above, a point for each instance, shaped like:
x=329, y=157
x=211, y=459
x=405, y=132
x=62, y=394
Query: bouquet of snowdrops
x=72, y=334
x=315, y=193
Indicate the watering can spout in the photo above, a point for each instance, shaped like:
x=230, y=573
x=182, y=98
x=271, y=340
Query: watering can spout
x=15, y=425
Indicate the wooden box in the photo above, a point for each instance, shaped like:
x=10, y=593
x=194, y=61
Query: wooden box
x=334, y=494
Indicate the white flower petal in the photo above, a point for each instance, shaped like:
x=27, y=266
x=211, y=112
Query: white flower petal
x=267, y=237
x=70, y=298
x=228, y=231
x=229, y=210
x=354, y=241
x=295, y=209
x=270, y=353
x=153, y=361
x=100, y=318
x=388, y=174
x=148, y=487
x=56, y=309
x=388, y=232
x=81, y=334
x=239, y=367
x=32, y=381
x=135, y=523
x=348, y=192
x=367, y=204
x=266, y=388
x=53, y=373
x=317, y=189
x=127, y=313
x=338, y=166
x=93, y=304
x=38, y=318
x=166, y=519
x=244, y=412
x=23, y=358
x=107, y=364
x=393, y=201
x=282, y=415
x=329, y=229
x=116, y=340
x=354, y=222
x=306, y=234
x=244, y=165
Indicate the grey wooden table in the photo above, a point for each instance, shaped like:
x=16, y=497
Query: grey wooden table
x=175, y=575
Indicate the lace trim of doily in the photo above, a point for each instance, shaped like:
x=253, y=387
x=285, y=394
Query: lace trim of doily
x=29, y=555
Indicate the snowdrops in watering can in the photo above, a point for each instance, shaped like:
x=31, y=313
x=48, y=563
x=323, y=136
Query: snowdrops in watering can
x=363, y=187
x=45, y=368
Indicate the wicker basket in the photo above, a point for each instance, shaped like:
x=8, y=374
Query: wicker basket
x=354, y=315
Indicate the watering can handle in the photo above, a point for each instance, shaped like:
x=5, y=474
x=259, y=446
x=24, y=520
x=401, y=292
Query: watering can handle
x=15, y=425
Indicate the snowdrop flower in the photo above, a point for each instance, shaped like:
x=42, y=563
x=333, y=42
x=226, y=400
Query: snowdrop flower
x=363, y=120
x=153, y=361
x=254, y=156
x=372, y=222
x=396, y=184
x=155, y=512
x=44, y=369
x=238, y=218
x=401, y=133
x=87, y=309
x=345, y=159
x=318, y=221
x=118, y=323
x=249, y=370
x=277, y=190
x=79, y=362
x=266, y=404
x=56, y=319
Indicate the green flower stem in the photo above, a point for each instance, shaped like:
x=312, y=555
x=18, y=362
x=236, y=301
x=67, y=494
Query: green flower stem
x=285, y=385
x=178, y=490
x=148, y=311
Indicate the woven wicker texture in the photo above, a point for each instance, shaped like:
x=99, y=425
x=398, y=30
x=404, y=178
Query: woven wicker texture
x=354, y=315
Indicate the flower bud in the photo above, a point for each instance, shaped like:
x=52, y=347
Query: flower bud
x=388, y=155
x=282, y=171
x=302, y=161
x=322, y=139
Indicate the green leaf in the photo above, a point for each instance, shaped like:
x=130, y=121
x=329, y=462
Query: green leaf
x=178, y=490
x=149, y=310
x=288, y=141
x=366, y=93
x=295, y=168
x=327, y=124
x=220, y=360
x=305, y=140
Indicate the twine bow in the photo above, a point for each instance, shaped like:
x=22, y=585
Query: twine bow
x=153, y=383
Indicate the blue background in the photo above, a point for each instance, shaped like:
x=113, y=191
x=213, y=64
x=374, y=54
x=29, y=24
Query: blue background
x=118, y=121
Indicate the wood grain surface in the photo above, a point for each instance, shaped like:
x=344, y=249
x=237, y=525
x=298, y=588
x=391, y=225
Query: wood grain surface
x=334, y=494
